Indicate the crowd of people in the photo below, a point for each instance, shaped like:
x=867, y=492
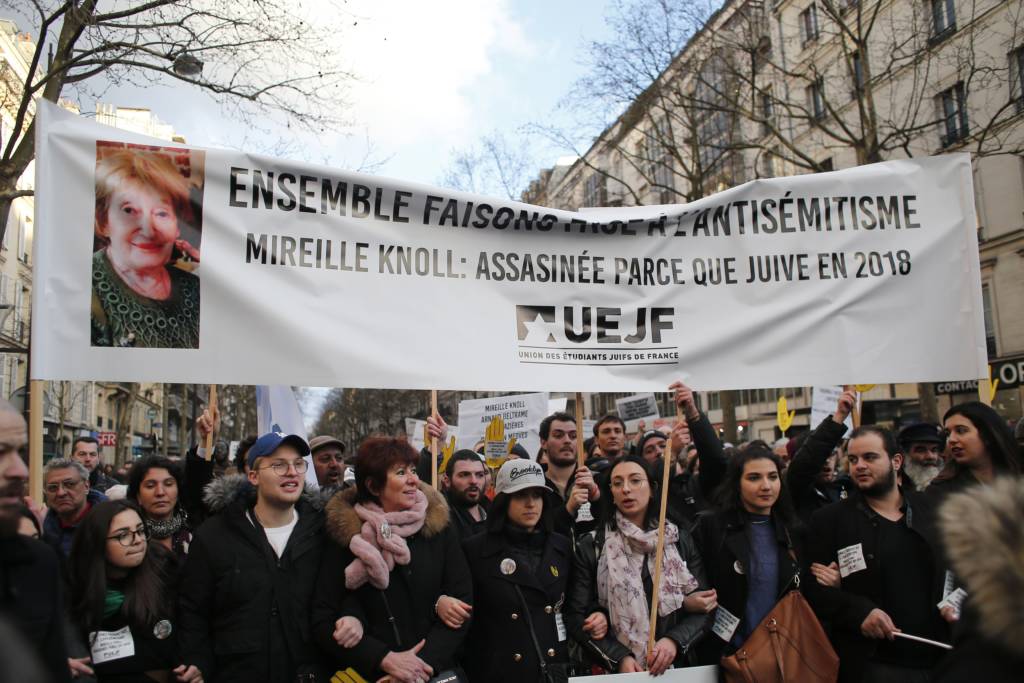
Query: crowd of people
x=908, y=547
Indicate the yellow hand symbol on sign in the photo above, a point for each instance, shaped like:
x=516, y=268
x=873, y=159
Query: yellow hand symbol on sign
x=446, y=454
x=783, y=415
x=495, y=430
x=863, y=387
x=511, y=445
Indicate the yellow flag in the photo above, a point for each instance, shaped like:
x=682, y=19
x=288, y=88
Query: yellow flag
x=993, y=386
x=446, y=454
x=863, y=387
x=784, y=416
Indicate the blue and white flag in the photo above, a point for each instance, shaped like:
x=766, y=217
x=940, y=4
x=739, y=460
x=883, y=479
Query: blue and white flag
x=278, y=411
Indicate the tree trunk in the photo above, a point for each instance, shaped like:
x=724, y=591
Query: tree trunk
x=124, y=424
x=727, y=400
x=929, y=404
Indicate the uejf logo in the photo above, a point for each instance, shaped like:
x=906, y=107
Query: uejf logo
x=594, y=335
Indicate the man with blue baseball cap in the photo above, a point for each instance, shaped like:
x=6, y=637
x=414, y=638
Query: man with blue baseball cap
x=250, y=574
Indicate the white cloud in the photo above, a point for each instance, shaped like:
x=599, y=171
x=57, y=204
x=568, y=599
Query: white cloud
x=418, y=62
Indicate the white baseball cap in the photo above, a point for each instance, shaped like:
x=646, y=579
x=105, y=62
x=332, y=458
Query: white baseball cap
x=516, y=475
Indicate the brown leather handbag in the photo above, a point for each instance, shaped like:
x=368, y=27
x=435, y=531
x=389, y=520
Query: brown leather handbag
x=788, y=646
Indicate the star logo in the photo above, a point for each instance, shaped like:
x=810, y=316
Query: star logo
x=540, y=331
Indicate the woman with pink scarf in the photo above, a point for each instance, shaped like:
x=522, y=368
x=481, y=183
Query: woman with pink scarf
x=394, y=556
x=608, y=607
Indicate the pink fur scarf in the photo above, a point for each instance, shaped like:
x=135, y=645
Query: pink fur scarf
x=380, y=543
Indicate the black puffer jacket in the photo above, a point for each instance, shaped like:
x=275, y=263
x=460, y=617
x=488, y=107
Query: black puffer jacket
x=438, y=567
x=244, y=612
x=501, y=648
x=683, y=628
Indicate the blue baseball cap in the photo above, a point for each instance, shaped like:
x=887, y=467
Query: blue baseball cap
x=271, y=441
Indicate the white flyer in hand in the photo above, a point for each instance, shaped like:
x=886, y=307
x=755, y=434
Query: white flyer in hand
x=111, y=645
x=725, y=624
x=851, y=560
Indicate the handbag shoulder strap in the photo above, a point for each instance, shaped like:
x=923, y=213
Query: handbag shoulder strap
x=391, y=619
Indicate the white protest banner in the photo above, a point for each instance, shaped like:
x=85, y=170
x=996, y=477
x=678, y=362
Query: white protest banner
x=312, y=275
x=633, y=409
x=521, y=413
x=277, y=410
x=692, y=674
x=824, y=400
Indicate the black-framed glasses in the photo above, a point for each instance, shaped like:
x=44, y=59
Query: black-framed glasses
x=281, y=468
x=67, y=485
x=126, y=537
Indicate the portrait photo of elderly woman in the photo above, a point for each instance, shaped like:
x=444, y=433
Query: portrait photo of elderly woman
x=144, y=290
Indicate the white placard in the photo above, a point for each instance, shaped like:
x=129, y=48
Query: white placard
x=522, y=414
x=725, y=624
x=633, y=409
x=955, y=600
x=110, y=645
x=855, y=262
x=691, y=674
x=824, y=400
x=851, y=560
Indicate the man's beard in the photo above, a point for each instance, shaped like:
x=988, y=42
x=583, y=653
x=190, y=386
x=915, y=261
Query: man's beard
x=921, y=474
x=460, y=499
x=562, y=458
x=880, y=488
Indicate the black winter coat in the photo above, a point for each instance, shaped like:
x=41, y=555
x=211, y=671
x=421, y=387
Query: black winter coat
x=853, y=522
x=437, y=567
x=725, y=546
x=30, y=597
x=685, y=629
x=500, y=647
x=807, y=463
x=151, y=653
x=244, y=612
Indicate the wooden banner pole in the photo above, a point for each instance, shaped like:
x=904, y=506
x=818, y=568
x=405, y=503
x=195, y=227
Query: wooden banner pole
x=855, y=413
x=660, y=549
x=35, y=440
x=433, y=441
x=213, y=418
x=581, y=453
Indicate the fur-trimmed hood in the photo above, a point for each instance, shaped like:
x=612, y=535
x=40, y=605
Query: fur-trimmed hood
x=231, y=489
x=984, y=537
x=343, y=523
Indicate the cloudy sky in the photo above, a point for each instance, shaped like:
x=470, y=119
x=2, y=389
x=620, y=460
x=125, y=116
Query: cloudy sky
x=433, y=76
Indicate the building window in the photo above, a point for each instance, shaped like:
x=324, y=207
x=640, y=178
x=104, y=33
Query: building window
x=816, y=99
x=23, y=223
x=1017, y=78
x=990, y=326
x=952, y=104
x=826, y=165
x=857, y=64
x=809, y=24
x=594, y=191
x=767, y=111
x=943, y=18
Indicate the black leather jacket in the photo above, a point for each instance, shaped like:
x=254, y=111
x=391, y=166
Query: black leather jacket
x=683, y=628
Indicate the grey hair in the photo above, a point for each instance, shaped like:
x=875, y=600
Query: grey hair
x=66, y=464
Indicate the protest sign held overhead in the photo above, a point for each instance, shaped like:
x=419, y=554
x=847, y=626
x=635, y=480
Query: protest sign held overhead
x=780, y=282
x=634, y=409
x=520, y=420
